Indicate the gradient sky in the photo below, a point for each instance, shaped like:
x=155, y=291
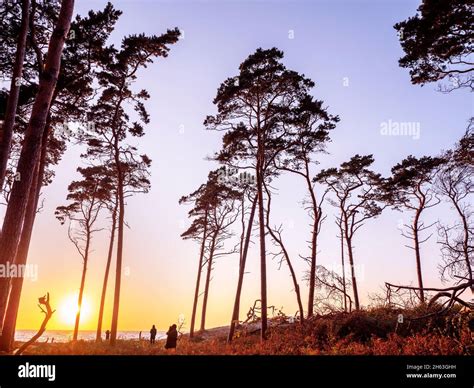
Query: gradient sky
x=334, y=42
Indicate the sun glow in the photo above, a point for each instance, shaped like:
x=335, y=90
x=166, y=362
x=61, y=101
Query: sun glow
x=67, y=309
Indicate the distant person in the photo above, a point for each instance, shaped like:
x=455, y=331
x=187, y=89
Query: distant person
x=107, y=335
x=172, y=338
x=140, y=336
x=152, y=334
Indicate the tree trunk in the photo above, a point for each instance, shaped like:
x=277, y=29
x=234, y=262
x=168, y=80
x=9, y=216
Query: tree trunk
x=343, y=270
x=314, y=245
x=118, y=268
x=208, y=280
x=353, y=275
x=8, y=332
x=243, y=260
x=465, y=243
x=276, y=235
x=198, y=278
x=48, y=312
x=418, y=255
x=98, y=337
x=261, y=220
x=242, y=234
x=15, y=213
x=81, y=289
x=263, y=264
x=6, y=133
x=312, y=272
x=293, y=277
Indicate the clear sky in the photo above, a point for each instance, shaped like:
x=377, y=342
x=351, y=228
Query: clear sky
x=350, y=49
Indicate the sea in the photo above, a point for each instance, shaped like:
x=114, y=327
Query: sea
x=88, y=335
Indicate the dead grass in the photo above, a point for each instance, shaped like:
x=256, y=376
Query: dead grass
x=372, y=332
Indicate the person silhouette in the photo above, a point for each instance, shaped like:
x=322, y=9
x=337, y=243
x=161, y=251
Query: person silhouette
x=107, y=335
x=152, y=334
x=172, y=337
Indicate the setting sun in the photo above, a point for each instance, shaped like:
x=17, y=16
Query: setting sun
x=68, y=308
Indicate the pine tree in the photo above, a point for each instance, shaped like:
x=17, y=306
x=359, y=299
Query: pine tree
x=87, y=198
x=356, y=191
x=112, y=126
x=254, y=109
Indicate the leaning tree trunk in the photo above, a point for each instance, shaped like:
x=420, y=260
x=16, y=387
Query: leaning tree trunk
x=48, y=312
x=235, y=313
x=118, y=268
x=198, y=279
x=15, y=213
x=465, y=244
x=314, y=245
x=263, y=265
x=312, y=273
x=416, y=242
x=81, y=289
x=8, y=332
x=353, y=275
x=208, y=280
x=98, y=337
x=292, y=272
x=343, y=270
x=6, y=133
x=276, y=235
x=261, y=221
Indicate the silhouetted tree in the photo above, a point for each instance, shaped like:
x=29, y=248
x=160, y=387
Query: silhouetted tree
x=282, y=254
x=308, y=136
x=344, y=285
x=83, y=52
x=206, y=226
x=8, y=332
x=254, y=108
x=6, y=133
x=247, y=187
x=221, y=218
x=197, y=231
x=410, y=188
x=332, y=296
x=88, y=197
x=356, y=192
x=454, y=181
x=438, y=43
x=112, y=207
x=16, y=209
x=112, y=126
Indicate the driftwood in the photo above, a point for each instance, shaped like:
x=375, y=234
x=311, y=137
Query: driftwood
x=48, y=312
x=255, y=311
x=452, y=293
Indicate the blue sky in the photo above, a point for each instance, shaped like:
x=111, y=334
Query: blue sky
x=350, y=49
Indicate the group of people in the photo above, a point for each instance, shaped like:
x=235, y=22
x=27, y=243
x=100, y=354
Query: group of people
x=171, y=336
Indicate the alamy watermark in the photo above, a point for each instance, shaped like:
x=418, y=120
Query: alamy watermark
x=32, y=371
x=337, y=268
x=232, y=175
x=76, y=128
x=12, y=270
x=401, y=128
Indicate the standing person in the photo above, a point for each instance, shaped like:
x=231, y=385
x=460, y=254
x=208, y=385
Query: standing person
x=107, y=335
x=172, y=338
x=152, y=334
